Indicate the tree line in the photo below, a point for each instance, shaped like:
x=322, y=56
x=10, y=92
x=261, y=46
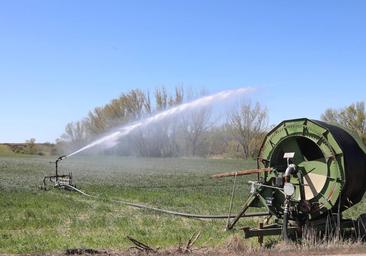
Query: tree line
x=236, y=133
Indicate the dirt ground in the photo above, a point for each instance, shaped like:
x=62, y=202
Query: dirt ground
x=354, y=251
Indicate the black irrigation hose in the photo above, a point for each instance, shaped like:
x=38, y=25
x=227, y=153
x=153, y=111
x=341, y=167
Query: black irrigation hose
x=141, y=206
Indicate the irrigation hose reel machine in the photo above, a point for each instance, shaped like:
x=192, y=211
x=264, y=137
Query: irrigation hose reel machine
x=308, y=173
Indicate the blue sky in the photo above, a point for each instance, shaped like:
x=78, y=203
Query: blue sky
x=60, y=59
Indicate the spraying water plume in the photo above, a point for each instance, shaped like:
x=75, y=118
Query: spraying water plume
x=198, y=103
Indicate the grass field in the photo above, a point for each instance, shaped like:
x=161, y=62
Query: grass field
x=32, y=220
x=36, y=221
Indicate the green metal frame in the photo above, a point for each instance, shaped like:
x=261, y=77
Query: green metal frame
x=333, y=164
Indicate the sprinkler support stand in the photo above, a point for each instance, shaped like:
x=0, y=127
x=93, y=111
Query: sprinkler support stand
x=60, y=181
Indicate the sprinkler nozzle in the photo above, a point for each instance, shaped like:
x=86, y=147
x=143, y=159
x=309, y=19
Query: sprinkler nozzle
x=61, y=158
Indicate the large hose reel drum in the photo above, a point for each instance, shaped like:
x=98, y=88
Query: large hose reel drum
x=331, y=160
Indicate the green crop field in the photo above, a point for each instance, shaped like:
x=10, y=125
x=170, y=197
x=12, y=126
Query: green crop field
x=36, y=221
x=32, y=220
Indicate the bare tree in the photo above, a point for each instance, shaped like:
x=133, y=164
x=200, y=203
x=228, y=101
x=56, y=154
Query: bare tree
x=352, y=117
x=195, y=126
x=75, y=135
x=31, y=147
x=218, y=141
x=96, y=124
x=161, y=99
x=330, y=115
x=160, y=139
x=247, y=124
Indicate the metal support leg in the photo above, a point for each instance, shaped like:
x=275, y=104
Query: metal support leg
x=247, y=204
x=339, y=219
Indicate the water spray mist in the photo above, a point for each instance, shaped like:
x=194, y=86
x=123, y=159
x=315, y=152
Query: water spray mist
x=198, y=103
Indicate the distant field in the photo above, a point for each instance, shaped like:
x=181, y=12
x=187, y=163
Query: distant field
x=41, y=149
x=5, y=150
x=32, y=220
